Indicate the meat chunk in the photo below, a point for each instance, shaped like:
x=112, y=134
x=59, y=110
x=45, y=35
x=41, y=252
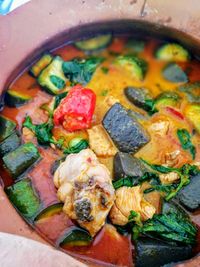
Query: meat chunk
x=85, y=187
x=127, y=134
x=161, y=127
x=127, y=199
x=169, y=178
x=100, y=142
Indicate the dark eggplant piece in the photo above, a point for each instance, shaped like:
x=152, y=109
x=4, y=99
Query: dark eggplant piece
x=126, y=165
x=173, y=73
x=127, y=134
x=155, y=253
x=189, y=196
x=9, y=144
x=137, y=96
x=173, y=207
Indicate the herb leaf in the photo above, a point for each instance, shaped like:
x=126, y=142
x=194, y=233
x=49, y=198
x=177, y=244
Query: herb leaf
x=170, y=227
x=76, y=145
x=81, y=70
x=185, y=140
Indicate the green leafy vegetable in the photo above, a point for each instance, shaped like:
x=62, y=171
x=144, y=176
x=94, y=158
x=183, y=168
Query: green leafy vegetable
x=184, y=173
x=137, y=226
x=43, y=132
x=104, y=70
x=186, y=143
x=58, y=99
x=76, y=145
x=170, y=227
x=81, y=70
x=104, y=92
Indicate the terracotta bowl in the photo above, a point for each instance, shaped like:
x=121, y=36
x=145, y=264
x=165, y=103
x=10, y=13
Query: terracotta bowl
x=44, y=25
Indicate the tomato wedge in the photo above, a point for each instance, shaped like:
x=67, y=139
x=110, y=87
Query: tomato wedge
x=76, y=109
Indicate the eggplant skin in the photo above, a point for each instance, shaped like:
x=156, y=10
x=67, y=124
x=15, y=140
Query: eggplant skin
x=189, y=196
x=127, y=134
x=126, y=165
x=155, y=253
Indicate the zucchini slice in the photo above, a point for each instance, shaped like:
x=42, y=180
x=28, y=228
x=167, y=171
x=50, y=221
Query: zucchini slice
x=16, y=99
x=49, y=211
x=42, y=63
x=173, y=73
x=192, y=113
x=7, y=127
x=95, y=43
x=52, y=78
x=24, y=198
x=134, y=65
x=172, y=52
x=76, y=237
x=167, y=99
x=9, y=144
x=19, y=160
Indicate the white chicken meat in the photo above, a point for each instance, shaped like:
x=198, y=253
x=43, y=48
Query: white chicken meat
x=85, y=187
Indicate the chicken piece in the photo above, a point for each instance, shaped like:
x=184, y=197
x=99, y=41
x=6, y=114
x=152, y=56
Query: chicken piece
x=161, y=127
x=171, y=158
x=100, y=142
x=127, y=199
x=85, y=187
x=169, y=178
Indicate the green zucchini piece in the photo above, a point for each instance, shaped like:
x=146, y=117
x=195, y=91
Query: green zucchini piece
x=24, y=198
x=192, y=113
x=172, y=52
x=19, y=160
x=9, y=144
x=7, y=127
x=42, y=63
x=167, y=99
x=135, y=45
x=16, y=99
x=52, y=78
x=95, y=43
x=192, y=91
x=135, y=65
x=155, y=253
x=76, y=237
x=49, y=211
x=173, y=73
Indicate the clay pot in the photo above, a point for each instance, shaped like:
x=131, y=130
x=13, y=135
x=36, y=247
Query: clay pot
x=42, y=25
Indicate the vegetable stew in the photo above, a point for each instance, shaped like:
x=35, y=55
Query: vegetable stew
x=100, y=154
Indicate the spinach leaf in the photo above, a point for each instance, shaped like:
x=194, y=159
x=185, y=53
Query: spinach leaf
x=76, y=145
x=81, y=70
x=43, y=132
x=159, y=168
x=105, y=70
x=185, y=140
x=170, y=227
x=150, y=106
x=171, y=190
x=58, y=99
